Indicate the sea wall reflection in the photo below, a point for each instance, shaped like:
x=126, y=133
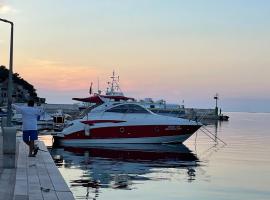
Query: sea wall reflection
x=124, y=166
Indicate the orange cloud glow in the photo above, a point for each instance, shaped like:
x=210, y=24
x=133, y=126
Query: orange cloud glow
x=58, y=76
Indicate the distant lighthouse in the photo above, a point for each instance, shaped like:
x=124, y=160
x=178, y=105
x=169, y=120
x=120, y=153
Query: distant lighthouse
x=216, y=97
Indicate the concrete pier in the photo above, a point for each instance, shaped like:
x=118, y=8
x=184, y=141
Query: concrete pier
x=33, y=178
x=38, y=178
x=7, y=176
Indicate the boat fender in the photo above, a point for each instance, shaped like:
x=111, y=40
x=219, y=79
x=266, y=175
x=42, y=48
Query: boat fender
x=87, y=130
x=122, y=130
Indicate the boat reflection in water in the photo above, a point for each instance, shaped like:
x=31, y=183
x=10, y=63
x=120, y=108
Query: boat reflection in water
x=123, y=166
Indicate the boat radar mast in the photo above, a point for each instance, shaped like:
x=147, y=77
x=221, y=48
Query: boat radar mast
x=113, y=88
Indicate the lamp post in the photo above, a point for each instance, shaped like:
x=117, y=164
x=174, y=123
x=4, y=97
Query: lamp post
x=10, y=86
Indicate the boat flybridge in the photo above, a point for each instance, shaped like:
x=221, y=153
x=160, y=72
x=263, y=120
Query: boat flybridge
x=116, y=119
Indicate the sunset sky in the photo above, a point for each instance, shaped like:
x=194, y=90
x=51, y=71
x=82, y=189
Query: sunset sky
x=165, y=49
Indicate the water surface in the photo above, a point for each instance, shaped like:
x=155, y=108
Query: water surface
x=199, y=169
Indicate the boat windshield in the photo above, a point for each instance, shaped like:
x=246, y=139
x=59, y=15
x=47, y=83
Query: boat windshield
x=87, y=110
x=128, y=108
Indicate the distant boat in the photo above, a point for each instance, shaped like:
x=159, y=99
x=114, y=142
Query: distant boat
x=223, y=117
x=160, y=106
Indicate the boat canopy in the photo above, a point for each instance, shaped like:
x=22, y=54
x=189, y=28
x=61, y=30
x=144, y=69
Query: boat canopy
x=99, y=98
x=92, y=99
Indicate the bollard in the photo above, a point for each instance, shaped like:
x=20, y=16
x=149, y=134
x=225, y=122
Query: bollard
x=9, y=147
x=9, y=140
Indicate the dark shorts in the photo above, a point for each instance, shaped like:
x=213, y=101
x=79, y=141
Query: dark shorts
x=30, y=135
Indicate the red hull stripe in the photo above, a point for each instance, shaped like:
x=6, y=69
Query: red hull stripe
x=92, y=122
x=134, y=132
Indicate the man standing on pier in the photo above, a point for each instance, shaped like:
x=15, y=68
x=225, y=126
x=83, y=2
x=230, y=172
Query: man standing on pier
x=30, y=116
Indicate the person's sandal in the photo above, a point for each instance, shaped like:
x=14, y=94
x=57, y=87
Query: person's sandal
x=36, y=151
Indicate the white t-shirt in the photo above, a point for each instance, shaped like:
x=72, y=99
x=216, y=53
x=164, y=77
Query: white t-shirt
x=29, y=116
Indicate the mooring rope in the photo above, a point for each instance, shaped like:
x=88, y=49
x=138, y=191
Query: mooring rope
x=214, y=135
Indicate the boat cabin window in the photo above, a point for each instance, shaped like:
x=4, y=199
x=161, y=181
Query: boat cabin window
x=128, y=108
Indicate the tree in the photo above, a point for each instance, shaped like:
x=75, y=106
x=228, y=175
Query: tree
x=18, y=80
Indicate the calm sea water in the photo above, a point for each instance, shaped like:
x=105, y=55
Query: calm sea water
x=199, y=169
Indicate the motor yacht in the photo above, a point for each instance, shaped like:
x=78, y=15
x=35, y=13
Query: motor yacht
x=115, y=119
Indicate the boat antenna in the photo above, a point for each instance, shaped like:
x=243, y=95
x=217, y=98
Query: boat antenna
x=90, y=89
x=113, y=81
x=99, y=91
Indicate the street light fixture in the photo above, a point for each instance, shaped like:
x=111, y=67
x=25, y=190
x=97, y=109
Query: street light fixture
x=10, y=86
